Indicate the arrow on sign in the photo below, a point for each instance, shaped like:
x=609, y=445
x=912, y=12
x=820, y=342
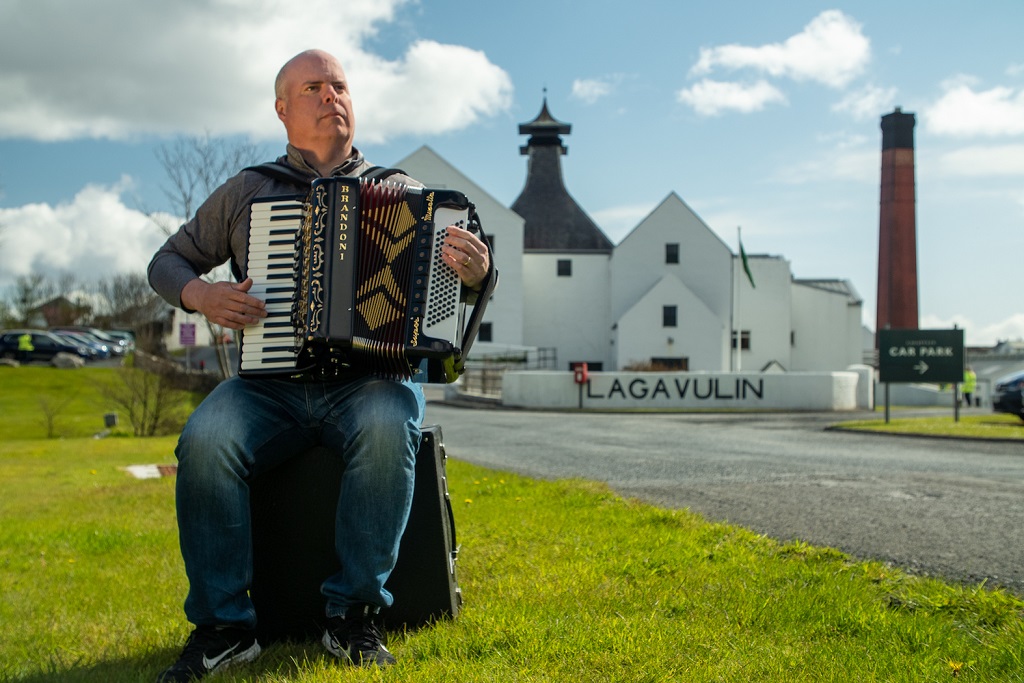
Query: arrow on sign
x=921, y=367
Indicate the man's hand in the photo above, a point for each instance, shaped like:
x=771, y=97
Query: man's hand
x=224, y=303
x=467, y=254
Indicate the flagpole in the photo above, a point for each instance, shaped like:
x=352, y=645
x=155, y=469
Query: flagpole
x=737, y=284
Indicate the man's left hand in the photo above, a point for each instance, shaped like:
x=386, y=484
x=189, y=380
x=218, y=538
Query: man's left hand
x=468, y=255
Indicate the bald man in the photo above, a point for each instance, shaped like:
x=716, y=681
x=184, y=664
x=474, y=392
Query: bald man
x=248, y=426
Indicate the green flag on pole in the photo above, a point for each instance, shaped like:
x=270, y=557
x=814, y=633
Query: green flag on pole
x=746, y=266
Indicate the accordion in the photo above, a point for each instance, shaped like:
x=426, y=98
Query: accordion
x=353, y=279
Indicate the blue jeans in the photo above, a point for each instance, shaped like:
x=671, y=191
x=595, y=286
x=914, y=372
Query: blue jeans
x=245, y=428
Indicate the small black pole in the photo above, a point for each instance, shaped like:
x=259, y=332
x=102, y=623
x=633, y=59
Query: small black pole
x=886, y=403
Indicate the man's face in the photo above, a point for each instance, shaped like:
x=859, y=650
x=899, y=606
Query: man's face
x=314, y=103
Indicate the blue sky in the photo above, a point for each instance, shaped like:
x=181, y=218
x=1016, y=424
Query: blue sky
x=760, y=115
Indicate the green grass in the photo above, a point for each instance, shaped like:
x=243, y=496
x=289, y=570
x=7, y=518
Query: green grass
x=991, y=426
x=563, y=581
x=38, y=401
x=74, y=393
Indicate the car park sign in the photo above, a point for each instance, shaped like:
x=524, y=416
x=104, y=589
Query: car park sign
x=934, y=356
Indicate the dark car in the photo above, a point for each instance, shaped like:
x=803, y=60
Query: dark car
x=98, y=349
x=45, y=345
x=1006, y=395
x=127, y=338
x=117, y=346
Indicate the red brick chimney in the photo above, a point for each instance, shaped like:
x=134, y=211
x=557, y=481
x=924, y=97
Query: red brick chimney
x=897, y=226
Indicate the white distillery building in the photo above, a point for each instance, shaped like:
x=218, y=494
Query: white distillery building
x=671, y=293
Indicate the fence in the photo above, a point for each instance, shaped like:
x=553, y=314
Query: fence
x=484, y=374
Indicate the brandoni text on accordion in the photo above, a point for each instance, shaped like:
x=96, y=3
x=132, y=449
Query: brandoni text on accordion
x=353, y=280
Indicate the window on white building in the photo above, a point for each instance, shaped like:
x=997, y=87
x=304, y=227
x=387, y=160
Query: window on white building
x=744, y=340
x=670, y=363
x=668, y=316
x=564, y=267
x=485, y=332
x=672, y=253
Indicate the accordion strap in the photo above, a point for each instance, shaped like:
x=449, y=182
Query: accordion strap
x=483, y=296
x=381, y=172
x=288, y=174
x=283, y=172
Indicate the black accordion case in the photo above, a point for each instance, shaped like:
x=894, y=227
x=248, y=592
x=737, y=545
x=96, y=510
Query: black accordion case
x=293, y=511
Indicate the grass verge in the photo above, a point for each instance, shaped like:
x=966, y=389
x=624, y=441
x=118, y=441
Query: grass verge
x=991, y=426
x=563, y=581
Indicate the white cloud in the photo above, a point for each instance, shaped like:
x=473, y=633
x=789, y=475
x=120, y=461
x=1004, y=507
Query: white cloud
x=963, y=111
x=209, y=66
x=858, y=165
x=93, y=236
x=1010, y=328
x=984, y=160
x=590, y=90
x=867, y=103
x=830, y=50
x=709, y=98
x=617, y=221
x=435, y=88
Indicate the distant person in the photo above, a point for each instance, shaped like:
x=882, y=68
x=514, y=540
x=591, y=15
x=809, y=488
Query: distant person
x=970, y=385
x=246, y=426
x=25, y=347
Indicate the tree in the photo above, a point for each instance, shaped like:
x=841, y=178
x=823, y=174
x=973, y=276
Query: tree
x=27, y=292
x=195, y=167
x=198, y=165
x=51, y=408
x=67, y=302
x=130, y=301
x=150, y=400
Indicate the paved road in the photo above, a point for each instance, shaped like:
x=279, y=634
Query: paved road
x=948, y=508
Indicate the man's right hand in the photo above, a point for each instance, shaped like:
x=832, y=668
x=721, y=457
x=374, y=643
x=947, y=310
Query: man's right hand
x=224, y=303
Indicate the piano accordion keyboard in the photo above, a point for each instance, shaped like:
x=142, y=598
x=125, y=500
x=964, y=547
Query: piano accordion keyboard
x=270, y=344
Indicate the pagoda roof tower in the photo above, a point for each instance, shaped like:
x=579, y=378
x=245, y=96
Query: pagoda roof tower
x=553, y=219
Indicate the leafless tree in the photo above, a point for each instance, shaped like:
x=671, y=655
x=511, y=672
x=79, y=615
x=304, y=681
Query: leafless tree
x=149, y=399
x=27, y=292
x=198, y=165
x=51, y=409
x=195, y=167
x=76, y=304
x=131, y=302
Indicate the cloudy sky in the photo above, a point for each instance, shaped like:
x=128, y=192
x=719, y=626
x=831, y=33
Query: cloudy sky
x=760, y=115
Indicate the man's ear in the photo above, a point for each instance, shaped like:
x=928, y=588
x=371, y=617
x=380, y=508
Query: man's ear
x=279, y=108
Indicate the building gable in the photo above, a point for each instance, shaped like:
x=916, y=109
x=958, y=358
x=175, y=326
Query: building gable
x=696, y=334
x=704, y=262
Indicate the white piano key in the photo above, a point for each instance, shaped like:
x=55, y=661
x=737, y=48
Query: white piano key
x=269, y=344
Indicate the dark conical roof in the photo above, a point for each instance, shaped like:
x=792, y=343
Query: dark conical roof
x=553, y=219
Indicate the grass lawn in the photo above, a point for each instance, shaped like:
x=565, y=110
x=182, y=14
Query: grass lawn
x=563, y=581
x=942, y=424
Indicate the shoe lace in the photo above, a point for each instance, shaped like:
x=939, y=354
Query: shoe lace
x=359, y=631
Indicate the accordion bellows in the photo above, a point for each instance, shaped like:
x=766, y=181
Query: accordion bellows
x=353, y=279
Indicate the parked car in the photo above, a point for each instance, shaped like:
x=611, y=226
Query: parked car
x=117, y=346
x=122, y=335
x=1006, y=395
x=100, y=351
x=45, y=344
